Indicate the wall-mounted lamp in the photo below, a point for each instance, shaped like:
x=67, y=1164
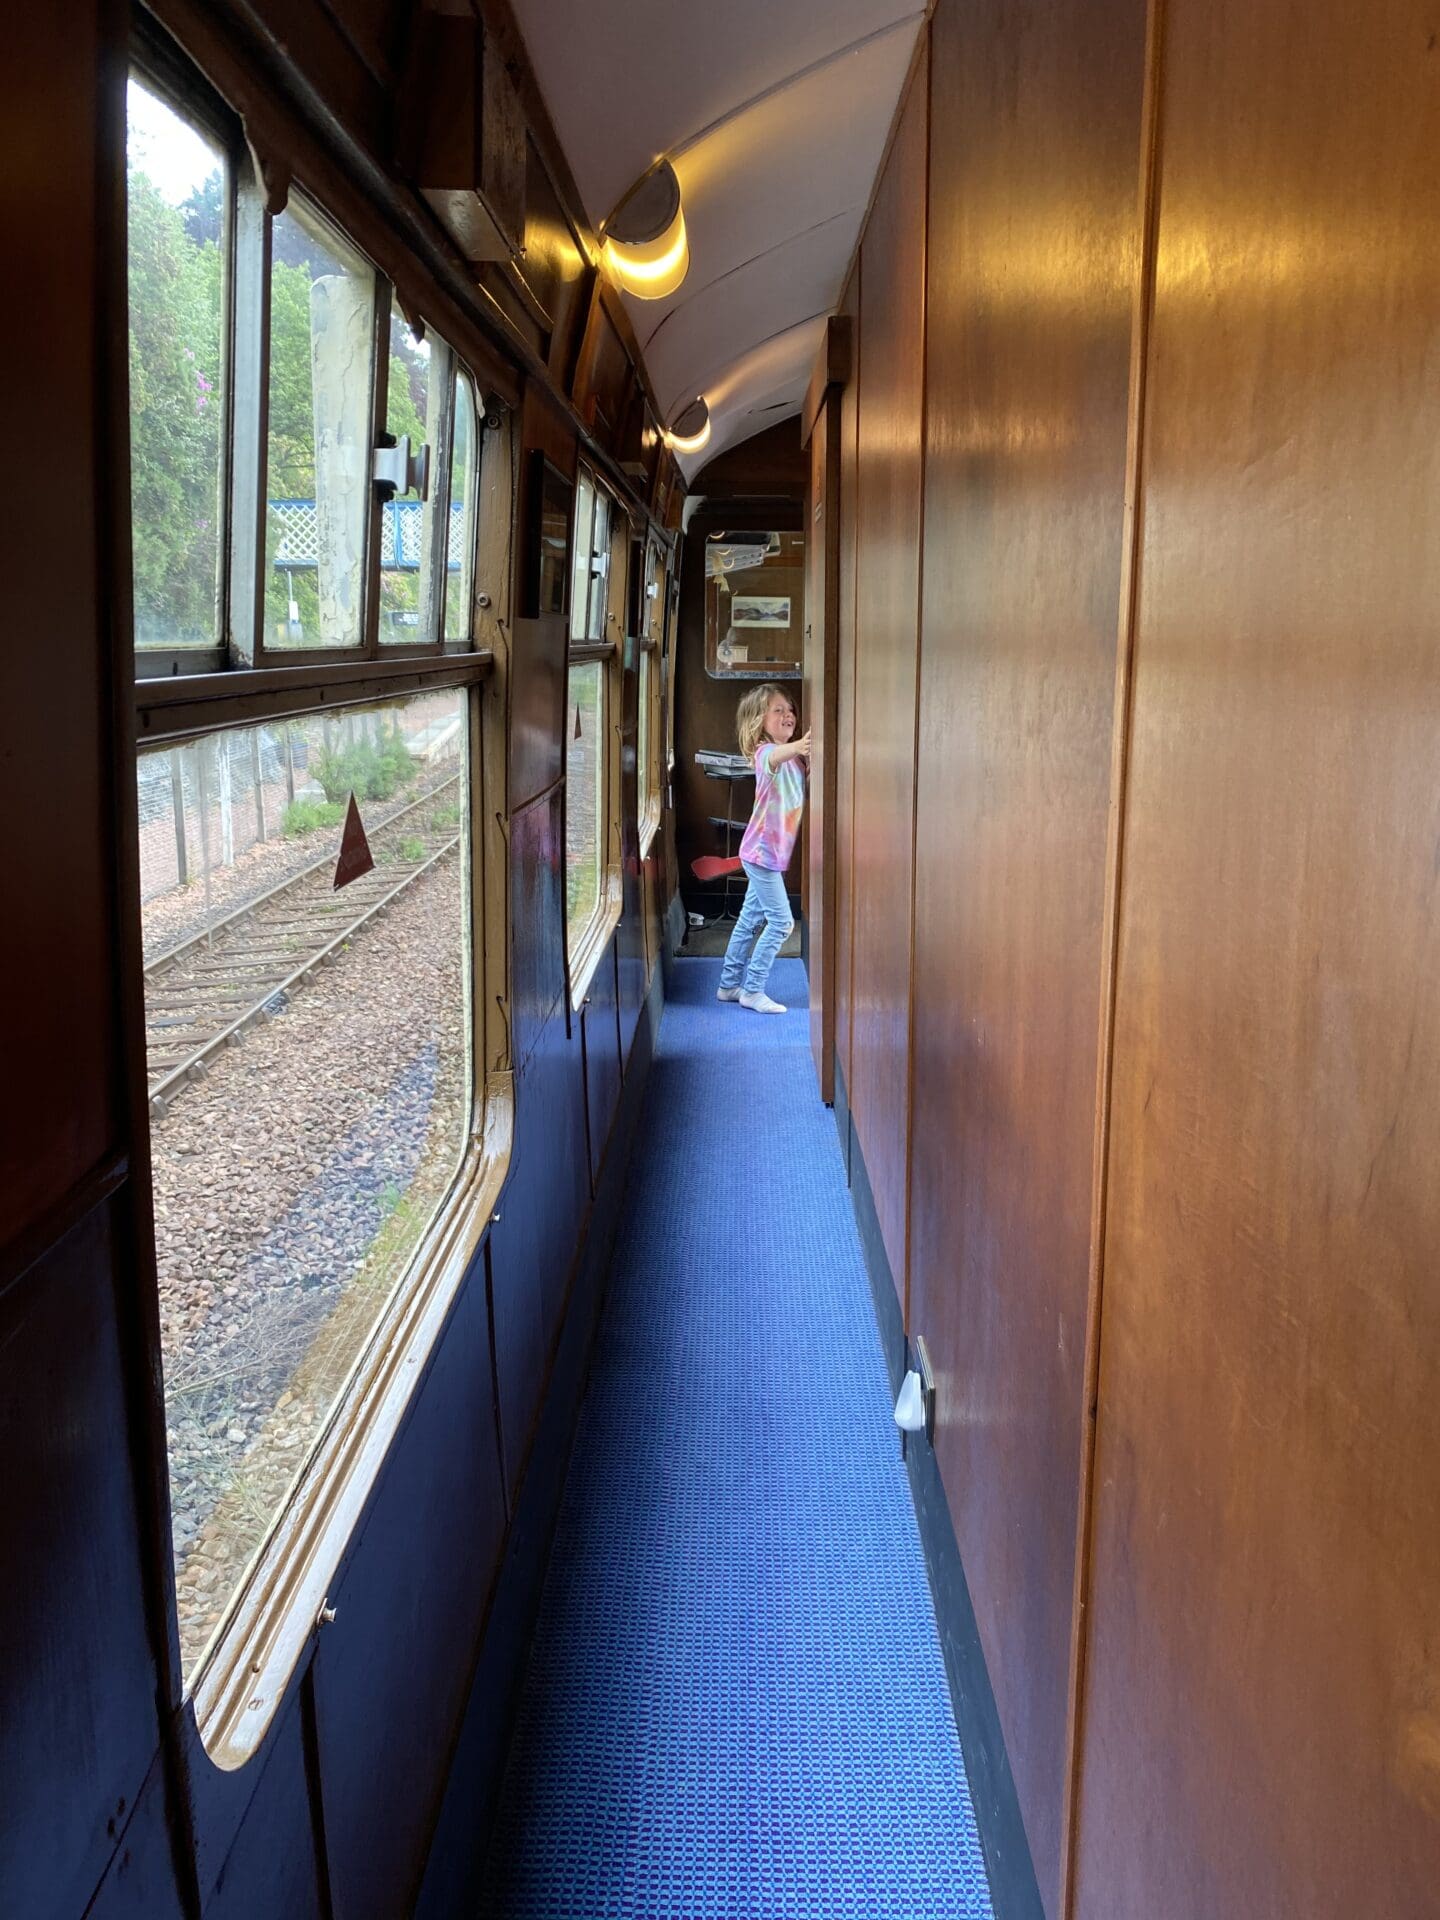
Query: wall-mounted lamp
x=691, y=429
x=645, y=244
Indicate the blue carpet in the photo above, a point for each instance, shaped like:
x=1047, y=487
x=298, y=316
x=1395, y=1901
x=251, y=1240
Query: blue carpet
x=735, y=1706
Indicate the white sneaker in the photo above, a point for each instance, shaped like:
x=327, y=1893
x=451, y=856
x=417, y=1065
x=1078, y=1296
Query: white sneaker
x=760, y=1003
x=727, y=993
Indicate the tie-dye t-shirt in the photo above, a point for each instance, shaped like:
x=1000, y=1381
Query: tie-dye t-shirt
x=779, y=802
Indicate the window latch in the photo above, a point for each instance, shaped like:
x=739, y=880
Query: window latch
x=398, y=469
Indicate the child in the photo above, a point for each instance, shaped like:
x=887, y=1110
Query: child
x=766, y=722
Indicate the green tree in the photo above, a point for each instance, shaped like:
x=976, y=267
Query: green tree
x=176, y=422
x=203, y=211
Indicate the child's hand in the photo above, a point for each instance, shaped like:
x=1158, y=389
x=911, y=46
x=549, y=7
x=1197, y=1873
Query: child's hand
x=802, y=745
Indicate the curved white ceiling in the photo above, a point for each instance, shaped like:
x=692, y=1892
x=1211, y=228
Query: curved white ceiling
x=775, y=114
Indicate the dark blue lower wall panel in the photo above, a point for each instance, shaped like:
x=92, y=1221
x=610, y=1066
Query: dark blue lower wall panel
x=458, y=1847
x=1014, y=1889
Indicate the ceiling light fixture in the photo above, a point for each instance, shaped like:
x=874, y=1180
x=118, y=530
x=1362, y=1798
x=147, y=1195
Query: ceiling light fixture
x=645, y=244
x=691, y=430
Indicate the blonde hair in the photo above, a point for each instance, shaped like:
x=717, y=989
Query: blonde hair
x=750, y=715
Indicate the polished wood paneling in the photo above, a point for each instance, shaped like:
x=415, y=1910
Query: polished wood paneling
x=822, y=558
x=537, y=663
x=604, y=377
x=56, y=958
x=78, y=1706
x=1034, y=164
x=1262, y=1722
x=844, y=755
x=600, y=1036
x=889, y=496
x=537, y=917
x=769, y=465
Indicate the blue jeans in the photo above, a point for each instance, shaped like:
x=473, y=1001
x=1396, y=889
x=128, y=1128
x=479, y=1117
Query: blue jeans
x=765, y=902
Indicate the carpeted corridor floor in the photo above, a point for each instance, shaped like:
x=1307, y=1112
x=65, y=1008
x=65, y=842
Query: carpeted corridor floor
x=735, y=1706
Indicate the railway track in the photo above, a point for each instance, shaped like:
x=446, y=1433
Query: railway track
x=202, y=995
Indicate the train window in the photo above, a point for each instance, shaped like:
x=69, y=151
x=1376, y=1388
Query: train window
x=652, y=626
x=460, y=512
x=309, y=1071
x=587, y=772
x=754, y=605
x=643, y=780
x=406, y=617
x=584, y=785
x=580, y=556
x=320, y=435
x=179, y=221
x=313, y=913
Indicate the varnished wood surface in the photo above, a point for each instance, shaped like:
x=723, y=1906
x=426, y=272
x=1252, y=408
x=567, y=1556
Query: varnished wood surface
x=821, y=703
x=1034, y=156
x=889, y=502
x=843, y=784
x=1266, y=1576
x=56, y=955
x=537, y=914
x=537, y=667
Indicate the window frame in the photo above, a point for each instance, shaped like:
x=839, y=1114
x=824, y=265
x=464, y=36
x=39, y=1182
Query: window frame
x=650, y=627
x=249, y=264
x=161, y=71
x=240, y=1682
x=585, y=946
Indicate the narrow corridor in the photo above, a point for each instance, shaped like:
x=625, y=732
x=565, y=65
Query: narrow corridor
x=735, y=1704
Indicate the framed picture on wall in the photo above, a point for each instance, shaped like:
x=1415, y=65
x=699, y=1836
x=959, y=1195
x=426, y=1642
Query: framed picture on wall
x=760, y=610
x=545, y=566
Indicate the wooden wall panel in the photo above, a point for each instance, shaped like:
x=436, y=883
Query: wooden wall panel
x=1034, y=164
x=822, y=559
x=600, y=1036
x=537, y=920
x=79, y=1683
x=892, y=369
x=57, y=956
x=391, y=1674
x=537, y=667
x=273, y=1867
x=844, y=757
x=1262, y=1733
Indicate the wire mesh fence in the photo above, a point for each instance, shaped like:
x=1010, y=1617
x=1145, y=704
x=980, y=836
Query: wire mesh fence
x=206, y=806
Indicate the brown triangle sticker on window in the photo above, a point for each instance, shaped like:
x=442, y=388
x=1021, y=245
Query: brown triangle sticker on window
x=577, y=721
x=355, y=855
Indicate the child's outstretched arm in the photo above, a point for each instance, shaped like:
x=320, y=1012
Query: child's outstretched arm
x=793, y=750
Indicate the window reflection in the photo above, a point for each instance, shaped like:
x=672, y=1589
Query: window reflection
x=322, y=319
